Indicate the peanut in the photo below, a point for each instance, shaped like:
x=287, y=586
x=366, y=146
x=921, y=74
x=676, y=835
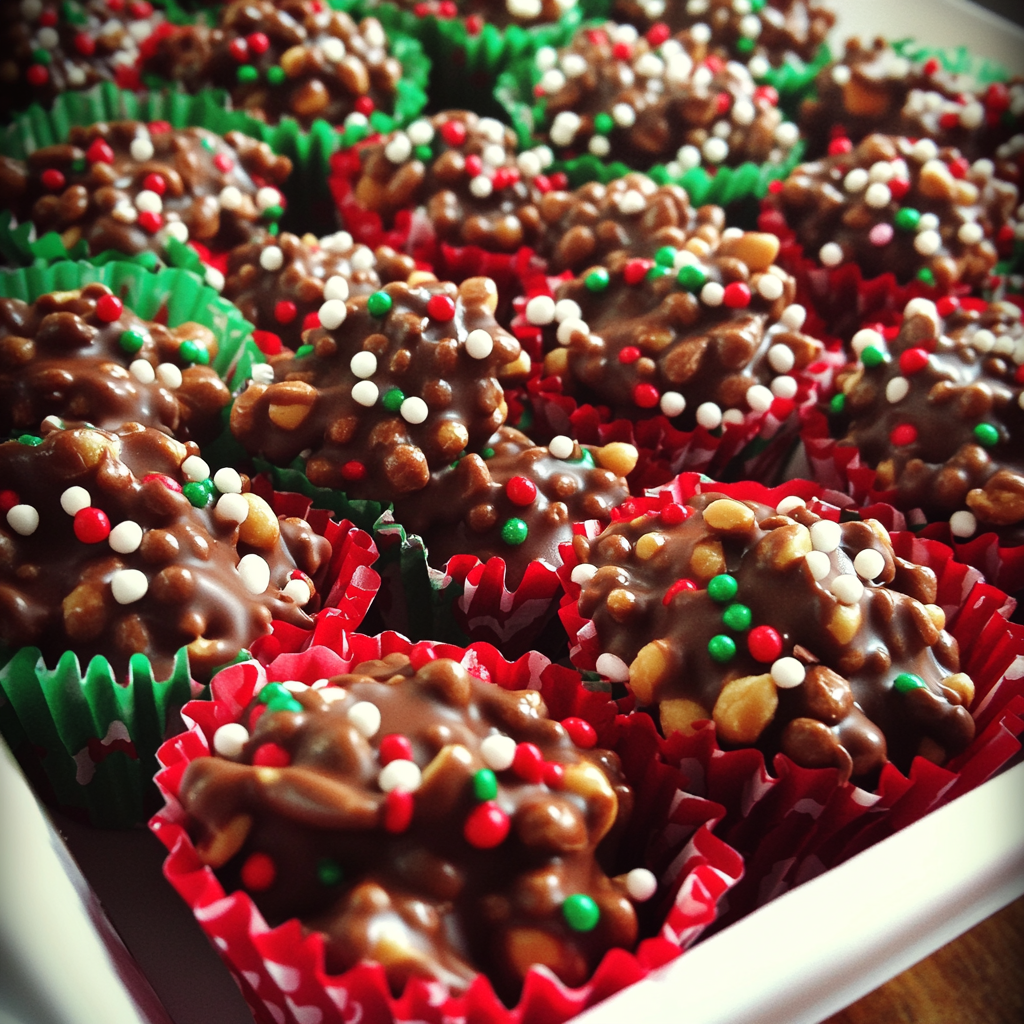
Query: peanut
x=654, y=664
x=225, y=842
x=784, y=547
x=85, y=612
x=756, y=249
x=726, y=515
x=744, y=708
x=962, y=685
x=621, y=603
x=707, y=560
x=844, y=622
x=617, y=456
x=649, y=545
x=679, y=714
x=588, y=781
x=290, y=403
x=261, y=528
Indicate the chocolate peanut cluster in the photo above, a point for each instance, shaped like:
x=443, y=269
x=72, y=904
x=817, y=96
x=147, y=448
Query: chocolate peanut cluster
x=81, y=355
x=765, y=33
x=117, y=544
x=278, y=282
x=283, y=58
x=49, y=47
x=620, y=96
x=516, y=500
x=394, y=386
x=937, y=413
x=893, y=205
x=500, y=13
x=421, y=818
x=462, y=170
x=875, y=89
x=789, y=631
x=708, y=332
x=132, y=187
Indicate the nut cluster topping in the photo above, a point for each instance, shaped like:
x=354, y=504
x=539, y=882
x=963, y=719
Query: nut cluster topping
x=283, y=58
x=121, y=544
x=396, y=385
x=708, y=332
x=764, y=33
x=893, y=205
x=463, y=171
x=81, y=355
x=790, y=631
x=133, y=187
x=620, y=96
x=278, y=283
x=875, y=89
x=516, y=500
x=419, y=817
x=937, y=411
x=49, y=47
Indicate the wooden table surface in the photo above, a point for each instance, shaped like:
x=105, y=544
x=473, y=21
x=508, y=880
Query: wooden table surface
x=976, y=979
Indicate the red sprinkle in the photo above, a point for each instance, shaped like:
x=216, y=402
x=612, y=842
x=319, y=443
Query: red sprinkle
x=715, y=64
x=554, y=775
x=155, y=183
x=91, y=525
x=1018, y=377
x=421, y=654
x=931, y=65
x=630, y=354
x=768, y=93
x=48, y=19
x=353, y=470
x=950, y=119
x=559, y=180
x=737, y=295
x=905, y=433
x=99, y=152
x=285, y=311
x=580, y=731
x=487, y=825
x=521, y=491
x=272, y=755
x=8, y=499
x=447, y=9
x=223, y=162
x=542, y=183
x=398, y=808
x=258, y=42
x=674, y=513
x=635, y=271
x=782, y=408
x=677, y=588
x=85, y=44
x=257, y=712
x=646, y=396
x=528, y=762
x=474, y=165
x=658, y=33
x=997, y=97
x=622, y=51
x=899, y=187
x=947, y=304
x=840, y=145
x=913, y=360
x=501, y=179
x=364, y=105
x=891, y=332
x=109, y=308
x=310, y=321
x=959, y=167
x=159, y=127
x=597, y=36
x=140, y=9
x=161, y=478
x=441, y=307
x=258, y=872
x=52, y=179
x=37, y=74
x=475, y=24
x=775, y=187
x=764, y=643
x=149, y=221
x=453, y=132
x=723, y=101
x=115, y=5
x=394, y=747
x=239, y=49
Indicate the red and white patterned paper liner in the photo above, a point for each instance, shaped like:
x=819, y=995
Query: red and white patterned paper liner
x=280, y=970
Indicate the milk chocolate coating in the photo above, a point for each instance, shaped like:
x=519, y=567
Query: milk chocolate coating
x=383, y=450
x=779, y=31
x=819, y=203
x=47, y=47
x=874, y=89
x=956, y=382
x=499, y=13
x=680, y=95
x=440, y=176
x=847, y=712
x=103, y=193
x=646, y=335
x=58, y=358
x=467, y=508
x=312, y=61
x=422, y=901
x=279, y=300
x=57, y=591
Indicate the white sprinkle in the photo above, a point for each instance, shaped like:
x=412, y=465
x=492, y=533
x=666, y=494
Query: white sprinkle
x=491, y=129
x=141, y=150
x=298, y=591
x=784, y=386
x=230, y=197
x=781, y=358
x=129, y=586
x=787, y=134
x=793, y=317
x=214, y=278
x=481, y=186
x=195, y=468
x=125, y=537
x=561, y=446
x=881, y=170
x=414, y=410
x=856, y=180
x=544, y=155
x=332, y=314
x=983, y=340
x=329, y=694
x=479, y=344
x=847, y=589
x=712, y=294
x=74, y=499
x=398, y=149
x=233, y=508
x=498, y=751
x=743, y=112
x=267, y=197
x=869, y=563
x=623, y=115
x=865, y=338
x=759, y=398
x=970, y=233
x=333, y=49
x=294, y=686
x=789, y=504
x=672, y=403
x=819, y=564
x=336, y=287
x=528, y=164
x=255, y=573
x=770, y=287
x=583, y=573
x=732, y=417
x=365, y=717
x=493, y=154
x=169, y=375
x=363, y=365
x=758, y=66
x=546, y=57
x=688, y=157
x=229, y=739
x=567, y=309
x=972, y=114
x=825, y=535
x=649, y=65
x=921, y=307
x=567, y=328
x=787, y=673
x=709, y=415
x=924, y=150
x=701, y=35
x=272, y=258
x=983, y=168
x=262, y=373
x=612, y=668
x=963, y=523
x=401, y=775
x=540, y=310
x=142, y=371
x=715, y=150
x=896, y=390
x=641, y=884
x=599, y=145
x=927, y=243
x=23, y=519
x=362, y=258
x=178, y=231
x=148, y=201
x=928, y=222
x=552, y=81
x=877, y=195
x=750, y=26
x=227, y=481
x=365, y=393
x=831, y=254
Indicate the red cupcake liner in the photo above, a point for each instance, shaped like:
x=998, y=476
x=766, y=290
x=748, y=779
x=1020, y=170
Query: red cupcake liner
x=839, y=466
x=792, y=823
x=363, y=225
x=280, y=971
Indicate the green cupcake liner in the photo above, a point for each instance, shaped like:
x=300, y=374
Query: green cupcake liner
x=794, y=80
x=957, y=60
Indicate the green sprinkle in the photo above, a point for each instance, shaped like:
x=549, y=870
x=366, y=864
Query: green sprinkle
x=488, y=453
x=247, y=73
x=272, y=690
x=381, y=122
x=722, y=648
x=586, y=459
x=303, y=350
x=194, y=352
x=907, y=218
x=581, y=913
x=423, y=153
x=42, y=56
x=286, y=703
x=723, y=588
x=198, y=492
x=907, y=681
x=514, y=532
x=379, y=304
x=276, y=75
x=665, y=256
x=274, y=212
x=837, y=404
x=597, y=280
x=393, y=399
x=132, y=341
x=738, y=617
x=603, y=123
x=872, y=356
x=210, y=144
x=657, y=271
x=485, y=784
x=273, y=229
x=757, y=5
x=73, y=13
x=925, y=276
x=691, y=277
x=354, y=133
x=78, y=164
x=329, y=872
x=745, y=44
x=30, y=439
x=986, y=435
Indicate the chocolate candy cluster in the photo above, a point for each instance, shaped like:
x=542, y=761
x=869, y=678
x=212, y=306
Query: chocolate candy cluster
x=117, y=544
x=283, y=58
x=499, y=13
x=936, y=411
x=789, y=631
x=132, y=187
x=421, y=818
x=81, y=355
